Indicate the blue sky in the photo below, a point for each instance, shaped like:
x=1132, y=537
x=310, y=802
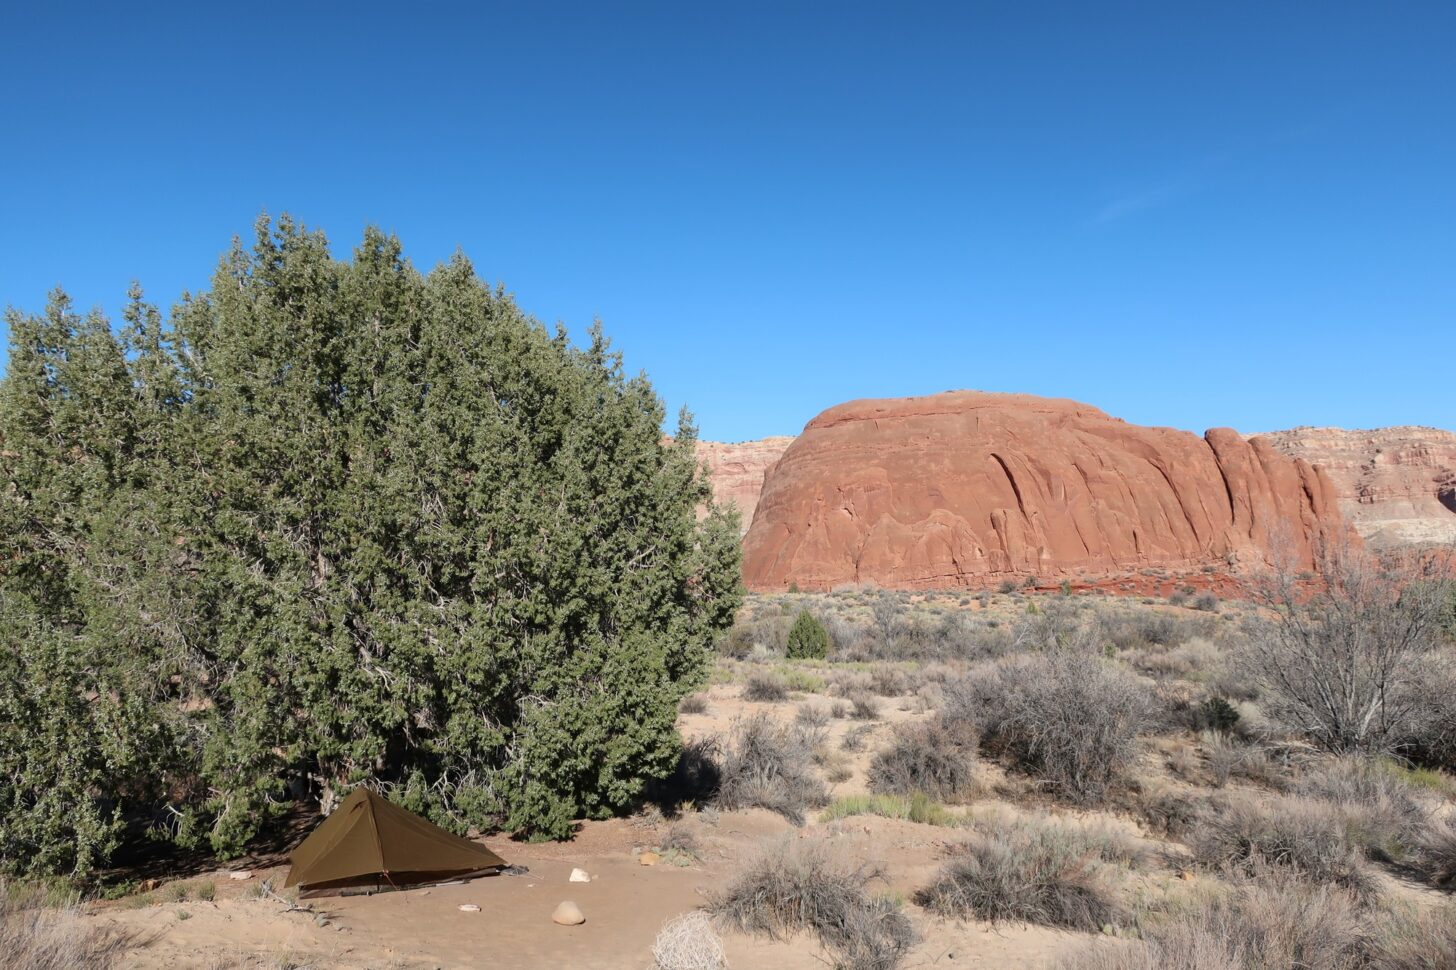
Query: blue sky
x=1190, y=214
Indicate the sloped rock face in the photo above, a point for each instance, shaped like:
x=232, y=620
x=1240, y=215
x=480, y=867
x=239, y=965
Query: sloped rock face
x=1396, y=486
x=737, y=470
x=967, y=489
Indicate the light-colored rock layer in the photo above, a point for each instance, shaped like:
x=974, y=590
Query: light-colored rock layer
x=1396, y=486
x=737, y=471
x=963, y=488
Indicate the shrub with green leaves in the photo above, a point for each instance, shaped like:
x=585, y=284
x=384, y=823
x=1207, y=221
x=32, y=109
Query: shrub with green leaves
x=337, y=522
x=808, y=640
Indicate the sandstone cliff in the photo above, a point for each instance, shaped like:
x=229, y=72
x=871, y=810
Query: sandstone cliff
x=1396, y=486
x=967, y=488
x=737, y=470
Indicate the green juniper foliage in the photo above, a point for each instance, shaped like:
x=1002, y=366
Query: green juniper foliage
x=808, y=640
x=337, y=522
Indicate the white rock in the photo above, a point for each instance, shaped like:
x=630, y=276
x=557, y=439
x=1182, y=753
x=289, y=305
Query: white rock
x=240, y=875
x=579, y=875
x=568, y=914
x=468, y=908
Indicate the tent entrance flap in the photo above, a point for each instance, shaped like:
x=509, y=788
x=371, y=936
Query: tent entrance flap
x=371, y=843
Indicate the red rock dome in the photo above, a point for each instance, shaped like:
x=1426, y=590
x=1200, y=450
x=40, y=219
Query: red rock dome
x=966, y=488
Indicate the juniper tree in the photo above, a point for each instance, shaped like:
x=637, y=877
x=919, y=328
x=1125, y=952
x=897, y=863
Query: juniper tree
x=808, y=640
x=341, y=522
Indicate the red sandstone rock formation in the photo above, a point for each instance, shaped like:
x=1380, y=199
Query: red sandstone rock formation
x=1396, y=486
x=966, y=489
x=737, y=471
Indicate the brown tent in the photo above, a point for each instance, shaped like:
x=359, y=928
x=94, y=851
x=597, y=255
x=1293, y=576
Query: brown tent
x=370, y=844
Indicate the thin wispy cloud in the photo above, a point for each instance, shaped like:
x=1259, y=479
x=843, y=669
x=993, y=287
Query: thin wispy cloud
x=1141, y=201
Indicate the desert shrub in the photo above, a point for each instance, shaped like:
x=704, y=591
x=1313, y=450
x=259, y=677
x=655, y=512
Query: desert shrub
x=812, y=715
x=1207, y=603
x=765, y=764
x=808, y=640
x=888, y=681
x=1265, y=923
x=796, y=886
x=863, y=706
x=1215, y=714
x=766, y=688
x=298, y=536
x=935, y=758
x=1430, y=739
x=37, y=936
x=1070, y=718
x=1033, y=872
x=1307, y=836
x=680, y=842
x=693, y=704
x=854, y=738
x=1168, y=812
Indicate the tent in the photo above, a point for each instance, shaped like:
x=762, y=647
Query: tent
x=370, y=844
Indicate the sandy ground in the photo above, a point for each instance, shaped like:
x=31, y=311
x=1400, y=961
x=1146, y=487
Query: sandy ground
x=625, y=904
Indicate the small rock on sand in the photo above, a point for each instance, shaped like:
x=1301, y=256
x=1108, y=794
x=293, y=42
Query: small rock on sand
x=469, y=908
x=579, y=875
x=568, y=914
x=240, y=875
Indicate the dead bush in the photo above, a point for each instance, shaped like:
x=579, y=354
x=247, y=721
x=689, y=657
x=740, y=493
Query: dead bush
x=693, y=704
x=769, y=765
x=765, y=688
x=796, y=886
x=688, y=942
x=1310, y=837
x=1033, y=872
x=1068, y=717
x=36, y=936
x=933, y=758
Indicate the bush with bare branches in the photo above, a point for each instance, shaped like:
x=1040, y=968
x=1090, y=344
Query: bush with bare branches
x=1344, y=662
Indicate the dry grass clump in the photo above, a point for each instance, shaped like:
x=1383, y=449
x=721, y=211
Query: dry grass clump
x=919, y=808
x=1419, y=940
x=1033, y=871
x=35, y=936
x=1068, y=717
x=1384, y=812
x=1229, y=758
x=769, y=765
x=1434, y=854
x=795, y=886
x=765, y=688
x=693, y=704
x=935, y=758
x=1258, y=924
x=1309, y=837
x=689, y=942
